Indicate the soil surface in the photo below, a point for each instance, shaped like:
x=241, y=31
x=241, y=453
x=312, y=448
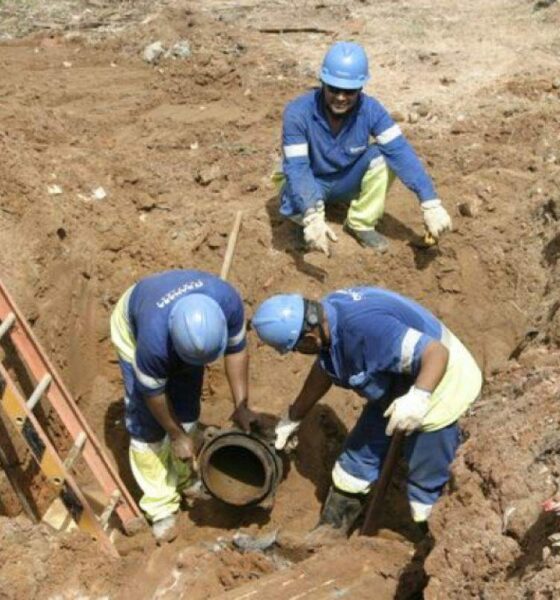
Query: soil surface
x=113, y=168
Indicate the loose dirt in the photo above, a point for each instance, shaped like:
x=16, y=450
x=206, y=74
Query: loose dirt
x=178, y=147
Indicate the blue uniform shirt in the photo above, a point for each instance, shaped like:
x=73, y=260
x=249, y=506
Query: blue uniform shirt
x=149, y=306
x=377, y=338
x=312, y=151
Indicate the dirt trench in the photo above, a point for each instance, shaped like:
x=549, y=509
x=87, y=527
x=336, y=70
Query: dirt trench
x=179, y=147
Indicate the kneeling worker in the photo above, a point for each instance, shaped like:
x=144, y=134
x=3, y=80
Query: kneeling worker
x=415, y=375
x=166, y=328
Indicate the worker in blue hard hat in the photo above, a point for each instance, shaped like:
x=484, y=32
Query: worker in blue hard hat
x=328, y=156
x=166, y=328
x=413, y=373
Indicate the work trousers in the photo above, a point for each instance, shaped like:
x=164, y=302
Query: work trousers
x=160, y=475
x=363, y=186
x=428, y=454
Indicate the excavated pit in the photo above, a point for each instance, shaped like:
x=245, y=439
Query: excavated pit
x=179, y=147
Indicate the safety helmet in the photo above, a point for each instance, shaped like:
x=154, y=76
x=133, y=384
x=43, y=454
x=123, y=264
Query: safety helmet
x=278, y=321
x=198, y=329
x=345, y=66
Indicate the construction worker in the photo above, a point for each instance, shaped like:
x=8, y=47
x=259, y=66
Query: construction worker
x=414, y=374
x=328, y=156
x=166, y=328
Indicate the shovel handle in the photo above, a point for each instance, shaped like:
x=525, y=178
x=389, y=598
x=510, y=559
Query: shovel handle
x=369, y=526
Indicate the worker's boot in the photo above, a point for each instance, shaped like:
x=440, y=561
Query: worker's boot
x=165, y=530
x=338, y=516
x=369, y=238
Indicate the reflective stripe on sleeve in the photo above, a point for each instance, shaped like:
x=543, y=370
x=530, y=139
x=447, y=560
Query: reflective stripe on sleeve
x=147, y=381
x=296, y=150
x=389, y=135
x=408, y=345
x=377, y=162
x=236, y=339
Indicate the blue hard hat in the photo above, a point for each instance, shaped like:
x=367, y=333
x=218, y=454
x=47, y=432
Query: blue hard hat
x=345, y=66
x=278, y=321
x=198, y=329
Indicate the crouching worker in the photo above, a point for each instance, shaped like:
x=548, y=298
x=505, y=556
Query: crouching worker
x=166, y=328
x=414, y=374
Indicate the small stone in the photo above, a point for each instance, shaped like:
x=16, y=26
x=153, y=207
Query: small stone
x=423, y=109
x=214, y=241
x=153, y=52
x=194, y=146
x=207, y=175
x=413, y=117
x=54, y=189
x=99, y=193
x=67, y=64
x=180, y=50
x=398, y=116
x=546, y=552
x=556, y=84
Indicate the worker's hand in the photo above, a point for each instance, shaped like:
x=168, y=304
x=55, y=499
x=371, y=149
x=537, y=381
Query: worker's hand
x=436, y=218
x=407, y=412
x=182, y=447
x=284, y=430
x=315, y=231
x=244, y=416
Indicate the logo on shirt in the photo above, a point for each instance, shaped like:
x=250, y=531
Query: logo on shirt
x=356, y=296
x=170, y=296
x=357, y=149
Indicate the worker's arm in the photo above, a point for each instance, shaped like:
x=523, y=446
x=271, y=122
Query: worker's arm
x=237, y=373
x=315, y=387
x=181, y=444
x=432, y=366
x=317, y=384
x=407, y=413
x=296, y=165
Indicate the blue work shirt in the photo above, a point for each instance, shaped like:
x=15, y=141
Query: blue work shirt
x=312, y=151
x=377, y=339
x=149, y=305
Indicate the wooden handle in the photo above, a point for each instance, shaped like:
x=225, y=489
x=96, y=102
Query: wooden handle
x=231, y=245
x=369, y=526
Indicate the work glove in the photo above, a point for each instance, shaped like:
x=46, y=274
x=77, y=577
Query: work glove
x=407, y=412
x=436, y=218
x=284, y=429
x=315, y=231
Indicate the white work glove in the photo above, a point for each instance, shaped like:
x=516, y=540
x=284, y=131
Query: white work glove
x=407, y=412
x=436, y=218
x=284, y=429
x=315, y=231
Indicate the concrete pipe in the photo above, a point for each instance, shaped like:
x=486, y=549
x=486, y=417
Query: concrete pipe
x=239, y=468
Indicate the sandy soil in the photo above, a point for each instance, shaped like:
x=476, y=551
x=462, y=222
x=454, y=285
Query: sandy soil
x=179, y=147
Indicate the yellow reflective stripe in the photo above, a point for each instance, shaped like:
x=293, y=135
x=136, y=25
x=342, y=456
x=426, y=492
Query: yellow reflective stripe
x=121, y=334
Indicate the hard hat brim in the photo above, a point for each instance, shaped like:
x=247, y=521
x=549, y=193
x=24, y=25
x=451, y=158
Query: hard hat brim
x=343, y=84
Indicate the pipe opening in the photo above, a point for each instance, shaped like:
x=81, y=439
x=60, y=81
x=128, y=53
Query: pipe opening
x=236, y=475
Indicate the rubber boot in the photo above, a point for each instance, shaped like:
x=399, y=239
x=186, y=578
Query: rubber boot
x=369, y=238
x=165, y=530
x=338, y=516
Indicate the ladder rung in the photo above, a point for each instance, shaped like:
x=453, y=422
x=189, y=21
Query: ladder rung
x=76, y=450
x=109, y=509
x=6, y=324
x=39, y=391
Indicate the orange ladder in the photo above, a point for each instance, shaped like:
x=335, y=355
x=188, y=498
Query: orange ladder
x=85, y=443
